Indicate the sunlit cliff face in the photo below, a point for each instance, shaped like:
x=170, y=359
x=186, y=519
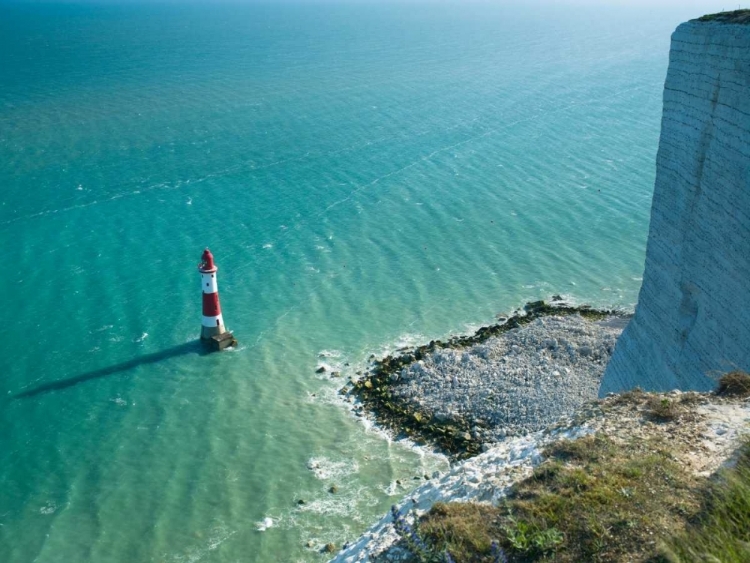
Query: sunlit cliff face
x=692, y=322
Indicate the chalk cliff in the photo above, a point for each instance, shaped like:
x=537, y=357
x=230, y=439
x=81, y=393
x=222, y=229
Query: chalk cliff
x=693, y=315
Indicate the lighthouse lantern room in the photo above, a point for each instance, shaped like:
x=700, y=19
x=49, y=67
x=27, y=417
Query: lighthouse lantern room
x=212, y=327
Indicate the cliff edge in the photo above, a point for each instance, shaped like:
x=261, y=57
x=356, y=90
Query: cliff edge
x=692, y=321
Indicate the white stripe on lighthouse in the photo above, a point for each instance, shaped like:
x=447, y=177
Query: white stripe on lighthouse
x=211, y=321
x=208, y=283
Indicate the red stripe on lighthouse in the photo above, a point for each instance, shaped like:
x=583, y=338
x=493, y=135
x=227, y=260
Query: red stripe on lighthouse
x=211, y=307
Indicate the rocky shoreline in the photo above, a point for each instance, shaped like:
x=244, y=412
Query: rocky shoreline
x=468, y=393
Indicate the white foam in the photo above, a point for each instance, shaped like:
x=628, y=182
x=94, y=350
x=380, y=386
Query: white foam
x=194, y=554
x=325, y=469
x=329, y=354
x=339, y=505
x=403, y=341
x=392, y=489
x=49, y=508
x=264, y=524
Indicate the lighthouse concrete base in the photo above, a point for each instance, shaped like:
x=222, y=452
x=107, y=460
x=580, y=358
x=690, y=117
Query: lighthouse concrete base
x=220, y=341
x=208, y=332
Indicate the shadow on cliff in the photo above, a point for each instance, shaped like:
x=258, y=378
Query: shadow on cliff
x=193, y=347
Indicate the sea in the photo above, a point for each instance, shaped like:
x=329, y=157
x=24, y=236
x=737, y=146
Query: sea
x=367, y=175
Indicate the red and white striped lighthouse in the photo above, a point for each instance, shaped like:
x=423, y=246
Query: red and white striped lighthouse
x=213, y=322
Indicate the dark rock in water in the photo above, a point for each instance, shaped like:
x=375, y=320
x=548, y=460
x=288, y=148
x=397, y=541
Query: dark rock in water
x=321, y=369
x=557, y=298
x=300, y=502
x=329, y=548
x=534, y=306
x=333, y=489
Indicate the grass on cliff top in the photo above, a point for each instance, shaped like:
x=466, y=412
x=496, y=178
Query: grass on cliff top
x=737, y=16
x=591, y=500
x=595, y=500
x=721, y=531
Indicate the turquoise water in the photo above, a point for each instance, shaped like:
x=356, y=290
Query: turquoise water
x=366, y=176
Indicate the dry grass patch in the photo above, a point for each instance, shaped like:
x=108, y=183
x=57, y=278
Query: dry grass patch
x=664, y=409
x=656, y=407
x=633, y=397
x=734, y=384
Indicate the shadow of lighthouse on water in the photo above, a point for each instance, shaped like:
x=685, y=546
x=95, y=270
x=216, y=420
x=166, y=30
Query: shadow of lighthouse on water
x=193, y=347
x=214, y=336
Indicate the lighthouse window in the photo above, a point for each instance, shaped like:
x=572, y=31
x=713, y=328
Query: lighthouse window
x=206, y=284
x=217, y=322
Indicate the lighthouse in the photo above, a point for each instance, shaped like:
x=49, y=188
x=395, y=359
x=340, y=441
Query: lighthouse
x=212, y=327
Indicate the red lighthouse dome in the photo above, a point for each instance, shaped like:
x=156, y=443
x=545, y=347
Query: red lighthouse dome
x=207, y=265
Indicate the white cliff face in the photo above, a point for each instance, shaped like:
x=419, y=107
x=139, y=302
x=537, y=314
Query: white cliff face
x=692, y=321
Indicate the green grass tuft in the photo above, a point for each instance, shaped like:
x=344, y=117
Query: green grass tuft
x=721, y=532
